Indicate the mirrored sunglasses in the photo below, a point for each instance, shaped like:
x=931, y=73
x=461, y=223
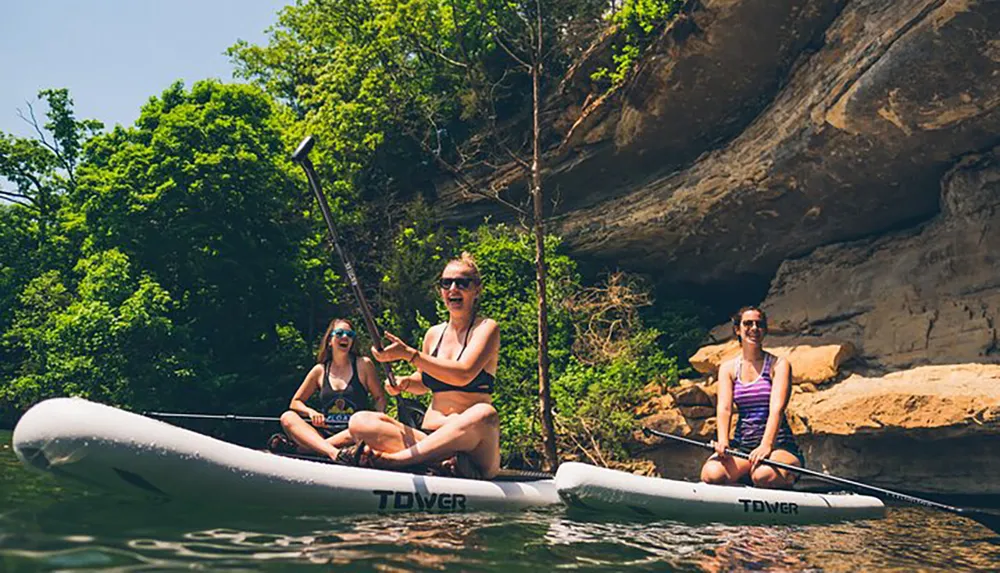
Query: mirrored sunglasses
x=341, y=332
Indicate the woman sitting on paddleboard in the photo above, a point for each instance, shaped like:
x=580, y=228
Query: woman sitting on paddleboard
x=345, y=382
x=458, y=364
x=760, y=384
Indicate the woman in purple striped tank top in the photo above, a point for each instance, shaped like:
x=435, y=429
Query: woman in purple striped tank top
x=760, y=384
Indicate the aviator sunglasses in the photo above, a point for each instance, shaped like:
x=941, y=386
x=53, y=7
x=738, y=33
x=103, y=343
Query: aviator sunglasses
x=758, y=323
x=461, y=282
x=338, y=332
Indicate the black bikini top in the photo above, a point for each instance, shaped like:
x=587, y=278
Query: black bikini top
x=481, y=384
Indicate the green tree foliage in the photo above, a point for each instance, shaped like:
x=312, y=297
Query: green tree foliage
x=200, y=196
x=506, y=259
x=200, y=270
x=638, y=21
x=18, y=258
x=355, y=72
x=180, y=263
x=107, y=339
x=41, y=171
x=595, y=392
x=392, y=89
x=596, y=404
x=409, y=265
x=36, y=177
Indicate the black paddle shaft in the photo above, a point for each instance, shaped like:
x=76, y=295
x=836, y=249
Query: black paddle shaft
x=990, y=520
x=301, y=156
x=225, y=417
x=233, y=417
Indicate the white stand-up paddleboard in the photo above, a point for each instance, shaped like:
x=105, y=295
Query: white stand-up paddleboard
x=105, y=446
x=604, y=490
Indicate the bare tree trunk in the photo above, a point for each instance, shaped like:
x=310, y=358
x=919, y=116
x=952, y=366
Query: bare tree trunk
x=544, y=392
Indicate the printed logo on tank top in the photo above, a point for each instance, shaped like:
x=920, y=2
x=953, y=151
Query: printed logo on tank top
x=339, y=413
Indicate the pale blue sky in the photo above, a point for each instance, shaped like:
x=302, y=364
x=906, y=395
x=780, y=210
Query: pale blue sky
x=114, y=54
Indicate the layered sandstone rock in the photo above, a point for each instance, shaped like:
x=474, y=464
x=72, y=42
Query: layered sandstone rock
x=929, y=402
x=758, y=131
x=757, y=135
x=811, y=363
x=930, y=295
x=930, y=429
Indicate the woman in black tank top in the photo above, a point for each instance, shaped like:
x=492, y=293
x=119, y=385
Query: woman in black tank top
x=346, y=384
x=461, y=430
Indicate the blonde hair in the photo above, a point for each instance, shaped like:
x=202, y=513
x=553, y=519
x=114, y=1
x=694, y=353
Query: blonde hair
x=467, y=260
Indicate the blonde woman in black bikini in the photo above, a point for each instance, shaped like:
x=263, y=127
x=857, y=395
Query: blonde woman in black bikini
x=458, y=364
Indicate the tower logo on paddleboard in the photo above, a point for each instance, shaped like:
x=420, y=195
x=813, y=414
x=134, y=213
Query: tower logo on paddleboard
x=408, y=500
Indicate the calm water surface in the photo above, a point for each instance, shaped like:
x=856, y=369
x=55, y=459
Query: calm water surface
x=50, y=525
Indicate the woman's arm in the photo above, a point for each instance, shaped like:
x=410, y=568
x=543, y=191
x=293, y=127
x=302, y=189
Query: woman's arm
x=724, y=408
x=370, y=380
x=484, y=343
x=414, y=382
x=306, y=389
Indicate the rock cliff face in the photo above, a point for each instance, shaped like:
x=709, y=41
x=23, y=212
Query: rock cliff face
x=844, y=152
x=926, y=295
x=929, y=295
x=758, y=131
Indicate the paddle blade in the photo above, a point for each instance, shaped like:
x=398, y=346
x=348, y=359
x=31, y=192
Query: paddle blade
x=990, y=520
x=304, y=148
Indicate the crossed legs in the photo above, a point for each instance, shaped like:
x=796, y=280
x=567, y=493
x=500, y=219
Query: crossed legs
x=475, y=432
x=309, y=439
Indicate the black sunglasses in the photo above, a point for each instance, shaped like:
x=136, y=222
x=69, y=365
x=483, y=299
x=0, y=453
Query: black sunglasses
x=758, y=323
x=461, y=282
x=342, y=332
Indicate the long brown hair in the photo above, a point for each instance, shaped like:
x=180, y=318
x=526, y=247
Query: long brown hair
x=325, y=355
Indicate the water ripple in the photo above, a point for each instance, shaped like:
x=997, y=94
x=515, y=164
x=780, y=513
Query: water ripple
x=50, y=526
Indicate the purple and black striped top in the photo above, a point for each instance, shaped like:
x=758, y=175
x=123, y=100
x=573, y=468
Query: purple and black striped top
x=754, y=402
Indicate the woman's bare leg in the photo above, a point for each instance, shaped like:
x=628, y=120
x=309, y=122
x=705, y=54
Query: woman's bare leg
x=724, y=471
x=306, y=436
x=474, y=431
x=775, y=478
x=341, y=439
x=382, y=433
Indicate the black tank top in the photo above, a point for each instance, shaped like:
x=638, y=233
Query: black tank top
x=338, y=405
x=481, y=384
